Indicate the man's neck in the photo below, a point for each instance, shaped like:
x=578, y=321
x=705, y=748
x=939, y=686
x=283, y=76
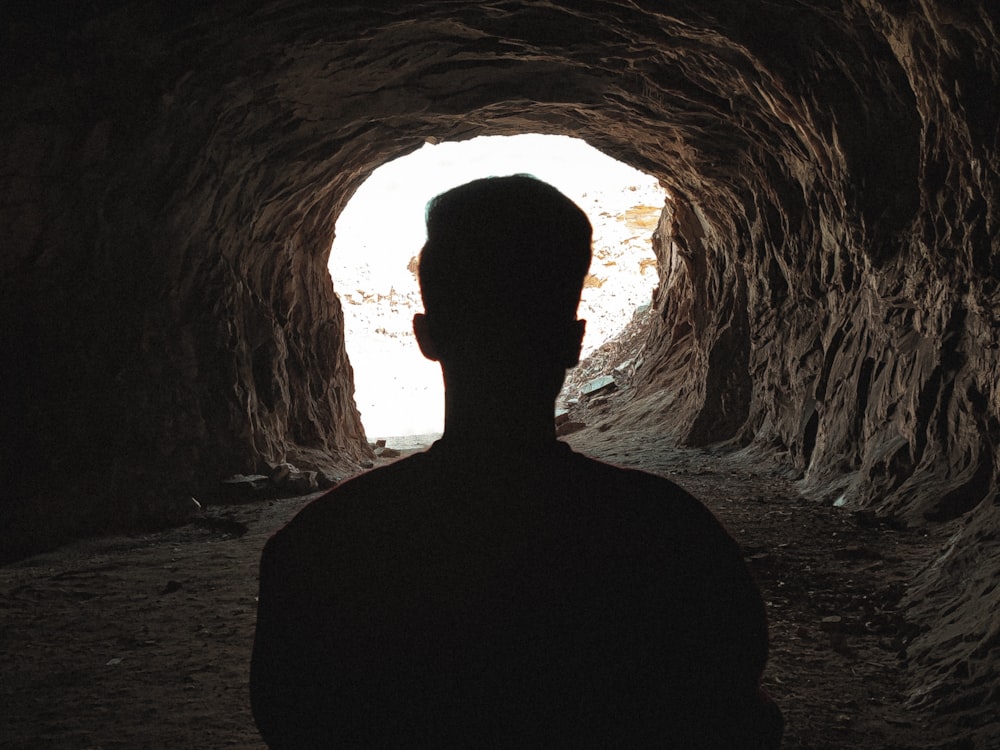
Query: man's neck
x=498, y=412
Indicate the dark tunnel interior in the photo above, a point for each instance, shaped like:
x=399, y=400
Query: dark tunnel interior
x=829, y=266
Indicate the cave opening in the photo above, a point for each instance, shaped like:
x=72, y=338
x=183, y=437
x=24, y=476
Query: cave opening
x=380, y=231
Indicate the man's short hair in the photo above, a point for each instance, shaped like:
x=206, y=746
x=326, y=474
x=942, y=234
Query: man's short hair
x=504, y=251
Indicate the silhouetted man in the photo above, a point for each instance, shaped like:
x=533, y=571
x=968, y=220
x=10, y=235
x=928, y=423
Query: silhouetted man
x=500, y=590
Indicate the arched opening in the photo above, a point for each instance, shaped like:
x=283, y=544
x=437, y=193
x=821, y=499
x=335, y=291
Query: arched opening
x=380, y=232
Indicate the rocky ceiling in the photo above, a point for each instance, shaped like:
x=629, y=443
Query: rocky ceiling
x=170, y=175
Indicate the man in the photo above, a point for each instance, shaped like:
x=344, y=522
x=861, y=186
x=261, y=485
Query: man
x=500, y=590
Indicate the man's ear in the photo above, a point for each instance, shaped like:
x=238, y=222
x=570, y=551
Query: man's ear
x=422, y=330
x=574, y=343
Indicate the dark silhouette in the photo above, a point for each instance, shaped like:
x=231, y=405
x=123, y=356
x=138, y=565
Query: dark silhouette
x=500, y=590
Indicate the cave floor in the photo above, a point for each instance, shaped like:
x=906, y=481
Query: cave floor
x=144, y=641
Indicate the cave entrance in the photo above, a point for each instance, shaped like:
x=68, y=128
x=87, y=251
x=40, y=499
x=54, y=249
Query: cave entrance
x=380, y=232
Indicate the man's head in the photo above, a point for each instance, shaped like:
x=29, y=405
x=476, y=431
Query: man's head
x=501, y=273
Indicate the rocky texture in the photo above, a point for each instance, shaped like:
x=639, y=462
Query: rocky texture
x=829, y=269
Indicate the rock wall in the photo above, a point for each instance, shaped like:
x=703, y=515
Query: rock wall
x=829, y=269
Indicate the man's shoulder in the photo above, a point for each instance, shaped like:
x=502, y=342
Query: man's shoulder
x=638, y=487
x=355, y=502
x=657, y=510
x=398, y=474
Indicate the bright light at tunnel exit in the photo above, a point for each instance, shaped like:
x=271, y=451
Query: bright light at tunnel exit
x=381, y=230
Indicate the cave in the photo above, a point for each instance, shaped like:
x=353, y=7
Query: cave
x=829, y=265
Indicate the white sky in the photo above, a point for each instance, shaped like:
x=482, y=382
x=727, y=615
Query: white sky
x=386, y=214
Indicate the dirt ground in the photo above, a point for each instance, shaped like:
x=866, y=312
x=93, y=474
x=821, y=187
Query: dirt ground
x=144, y=642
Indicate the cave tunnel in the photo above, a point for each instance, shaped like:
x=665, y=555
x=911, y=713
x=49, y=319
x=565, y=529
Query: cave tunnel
x=829, y=264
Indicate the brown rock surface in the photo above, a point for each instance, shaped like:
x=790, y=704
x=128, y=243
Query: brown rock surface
x=830, y=267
